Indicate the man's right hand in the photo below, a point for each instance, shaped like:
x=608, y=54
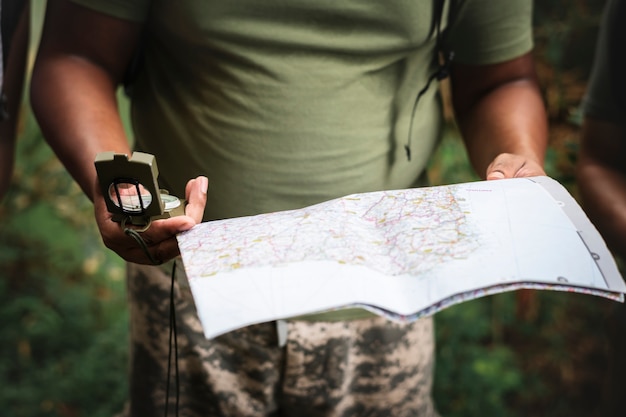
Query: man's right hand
x=160, y=237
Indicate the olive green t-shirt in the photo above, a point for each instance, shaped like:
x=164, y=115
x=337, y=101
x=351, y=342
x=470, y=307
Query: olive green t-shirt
x=287, y=103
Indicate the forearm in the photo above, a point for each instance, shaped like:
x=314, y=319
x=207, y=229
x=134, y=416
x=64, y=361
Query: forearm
x=81, y=59
x=509, y=119
x=501, y=116
x=75, y=104
x=601, y=176
x=603, y=194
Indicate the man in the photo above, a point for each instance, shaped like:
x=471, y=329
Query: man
x=602, y=161
x=282, y=104
x=601, y=173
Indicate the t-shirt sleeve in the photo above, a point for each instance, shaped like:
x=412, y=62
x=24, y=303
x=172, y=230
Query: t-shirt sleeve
x=489, y=31
x=135, y=10
x=600, y=100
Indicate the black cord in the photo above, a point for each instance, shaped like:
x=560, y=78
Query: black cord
x=135, y=235
x=443, y=69
x=441, y=73
x=174, y=336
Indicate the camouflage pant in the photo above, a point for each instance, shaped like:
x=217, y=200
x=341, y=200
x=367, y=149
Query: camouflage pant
x=369, y=367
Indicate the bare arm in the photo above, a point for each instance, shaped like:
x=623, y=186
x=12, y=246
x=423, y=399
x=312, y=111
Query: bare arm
x=81, y=61
x=601, y=175
x=502, y=117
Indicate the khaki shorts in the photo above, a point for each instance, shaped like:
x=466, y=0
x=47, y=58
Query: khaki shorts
x=367, y=367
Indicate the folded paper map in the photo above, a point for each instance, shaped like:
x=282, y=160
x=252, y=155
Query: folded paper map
x=402, y=254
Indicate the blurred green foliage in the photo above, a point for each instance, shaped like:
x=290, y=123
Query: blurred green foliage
x=62, y=299
x=525, y=353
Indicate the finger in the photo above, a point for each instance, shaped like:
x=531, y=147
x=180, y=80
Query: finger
x=154, y=254
x=166, y=250
x=503, y=166
x=139, y=247
x=508, y=165
x=530, y=169
x=159, y=239
x=99, y=205
x=161, y=230
x=196, y=195
x=100, y=209
x=110, y=231
x=495, y=175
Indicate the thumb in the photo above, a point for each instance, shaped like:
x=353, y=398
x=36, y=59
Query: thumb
x=503, y=166
x=196, y=195
x=495, y=175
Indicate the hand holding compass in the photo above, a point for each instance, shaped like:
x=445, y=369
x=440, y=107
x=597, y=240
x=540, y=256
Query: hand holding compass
x=151, y=216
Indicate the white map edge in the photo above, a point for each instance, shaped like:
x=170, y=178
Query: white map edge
x=589, y=235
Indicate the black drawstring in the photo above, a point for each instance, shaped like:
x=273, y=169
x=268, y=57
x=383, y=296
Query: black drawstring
x=443, y=71
x=173, y=331
x=174, y=337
